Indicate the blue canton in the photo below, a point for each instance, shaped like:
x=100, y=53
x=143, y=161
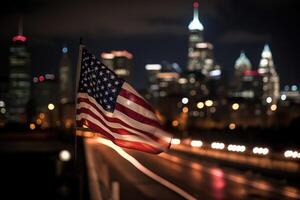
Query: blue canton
x=99, y=82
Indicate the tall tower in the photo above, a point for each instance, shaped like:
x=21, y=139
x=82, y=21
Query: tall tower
x=242, y=64
x=200, y=56
x=195, y=36
x=66, y=88
x=269, y=76
x=19, y=78
x=65, y=78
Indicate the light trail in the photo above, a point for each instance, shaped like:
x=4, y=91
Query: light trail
x=145, y=170
x=261, y=185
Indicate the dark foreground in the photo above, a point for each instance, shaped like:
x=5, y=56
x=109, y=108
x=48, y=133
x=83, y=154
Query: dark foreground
x=31, y=167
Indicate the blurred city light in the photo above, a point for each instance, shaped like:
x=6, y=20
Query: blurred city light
x=236, y=148
x=182, y=81
x=3, y=110
x=175, y=141
x=264, y=62
x=32, y=126
x=260, y=150
x=65, y=49
x=51, y=106
x=269, y=99
x=196, y=143
x=294, y=88
x=185, y=109
x=291, y=154
x=68, y=123
x=273, y=107
x=212, y=109
x=283, y=97
x=184, y=100
x=175, y=123
x=217, y=145
x=153, y=67
x=200, y=105
x=42, y=115
x=64, y=155
x=232, y=126
x=216, y=72
x=235, y=106
x=208, y=103
x=21, y=38
x=38, y=121
x=41, y=78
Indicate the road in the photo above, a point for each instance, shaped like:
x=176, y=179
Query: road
x=173, y=176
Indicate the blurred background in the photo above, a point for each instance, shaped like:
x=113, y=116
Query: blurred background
x=223, y=78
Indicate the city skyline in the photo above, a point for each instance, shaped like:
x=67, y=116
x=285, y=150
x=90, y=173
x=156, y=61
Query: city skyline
x=158, y=44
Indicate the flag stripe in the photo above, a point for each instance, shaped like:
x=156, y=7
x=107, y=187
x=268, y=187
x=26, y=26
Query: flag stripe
x=138, y=108
x=90, y=121
x=117, y=117
x=80, y=122
x=122, y=143
x=138, y=117
x=116, y=127
x=138, y=100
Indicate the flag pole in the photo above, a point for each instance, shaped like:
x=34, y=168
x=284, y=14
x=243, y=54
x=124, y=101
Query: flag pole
x=78, y=68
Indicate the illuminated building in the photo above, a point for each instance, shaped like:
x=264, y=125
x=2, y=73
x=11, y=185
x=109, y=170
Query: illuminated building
x=247, y=82
x=66, y=88
x=200, y=56
x=163, y=88
x=242, y=64
x=249, y=86
x=19, y=79
x=270, y=77
x=153, y=85
x=44, y=89
x=120, y=62
x=65, y=78
x=163, y=79
x=3, y=99
x=290, y=94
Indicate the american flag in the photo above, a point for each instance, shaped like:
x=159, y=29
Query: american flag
x=110, y=106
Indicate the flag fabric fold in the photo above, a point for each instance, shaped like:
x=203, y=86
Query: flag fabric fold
x=111, y=107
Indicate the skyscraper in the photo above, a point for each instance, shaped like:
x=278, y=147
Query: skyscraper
x=241, y=65
x=200, y=56
x=269, y=76
x=19, y=79
x=120, y=62
x=66, y=85
x=65, y=78
x=44, y=93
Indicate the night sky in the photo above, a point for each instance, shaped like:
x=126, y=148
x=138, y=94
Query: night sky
x=154, y=31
